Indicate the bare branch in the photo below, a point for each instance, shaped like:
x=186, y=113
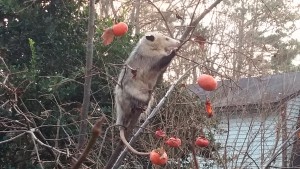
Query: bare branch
x=197, y=20
x=88, y=72
x=37, y=153
x=96, y=131
x=42, y=144
x=13, y=138
x=165, y=20
x=280, y=148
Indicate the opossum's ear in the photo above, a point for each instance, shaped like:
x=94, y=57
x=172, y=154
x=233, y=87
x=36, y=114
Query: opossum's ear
x=150, y=37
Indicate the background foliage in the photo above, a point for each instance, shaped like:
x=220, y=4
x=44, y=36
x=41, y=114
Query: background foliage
x=43, y=46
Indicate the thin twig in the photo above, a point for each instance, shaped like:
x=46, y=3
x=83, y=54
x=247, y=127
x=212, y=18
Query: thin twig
x=197, y=20
x=37, y=153
x=17, y=109
x=279, y=148
x=5, y=64
x=191, y=144
x=13, y=138
x=165, y=20
x=193, y=15
x=103, y=140
x=41, y=143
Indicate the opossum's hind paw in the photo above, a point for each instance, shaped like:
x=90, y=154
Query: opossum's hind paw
x=141, y=108
x=143, y=117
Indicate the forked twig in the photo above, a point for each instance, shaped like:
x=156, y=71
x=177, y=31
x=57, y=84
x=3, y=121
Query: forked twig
x=279, y=149
x=165, y=20
x=37, y=153
x=31, y=132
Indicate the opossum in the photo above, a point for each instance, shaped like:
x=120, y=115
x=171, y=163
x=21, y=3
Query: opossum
x=148, y=60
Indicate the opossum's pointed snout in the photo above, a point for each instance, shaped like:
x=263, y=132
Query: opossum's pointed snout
x=173, y=46
x=176, y=44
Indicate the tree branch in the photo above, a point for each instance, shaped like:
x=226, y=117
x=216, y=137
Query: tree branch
x=37, y=153
x=280, y=149
x=11, y=139
x=193, y=24
x=165, y=20
x=42, y=144
x=96, y=131
x=88, y=73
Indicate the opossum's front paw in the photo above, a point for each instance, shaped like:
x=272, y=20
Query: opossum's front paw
x=171, y=53
x=142, y=118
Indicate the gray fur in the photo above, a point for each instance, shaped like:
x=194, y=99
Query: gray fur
x=138, y=78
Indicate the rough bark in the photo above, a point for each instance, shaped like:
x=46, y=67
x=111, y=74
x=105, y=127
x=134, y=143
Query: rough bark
x=88, y=75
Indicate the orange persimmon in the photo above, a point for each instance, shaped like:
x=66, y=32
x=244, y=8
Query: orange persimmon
x=120, y=29
x=207, y=82
x=158, y=156
x=173, y=142
x=201, y=141
x=160, y=133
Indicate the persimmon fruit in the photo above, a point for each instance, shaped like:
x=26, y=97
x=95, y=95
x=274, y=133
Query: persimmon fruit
x=173, y=142
x=207, y=82
x=120, y=29
x=160, y=133
x=201, y=141
x=158, y=156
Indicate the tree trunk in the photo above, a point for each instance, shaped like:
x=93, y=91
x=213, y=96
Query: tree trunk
x=88, y=75
x=238, y=60
x=137, y=16
x=104, y=8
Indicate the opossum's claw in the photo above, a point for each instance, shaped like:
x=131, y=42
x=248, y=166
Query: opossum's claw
x=133, y=71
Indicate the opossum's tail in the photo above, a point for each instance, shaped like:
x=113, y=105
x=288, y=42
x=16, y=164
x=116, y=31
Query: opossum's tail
x=123, y=138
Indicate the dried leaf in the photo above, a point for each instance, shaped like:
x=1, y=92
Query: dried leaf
x=208, y=108
x=107, y=36
x=200, y=40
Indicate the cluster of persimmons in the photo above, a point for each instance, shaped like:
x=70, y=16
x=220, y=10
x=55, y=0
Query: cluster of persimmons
x=159, y=156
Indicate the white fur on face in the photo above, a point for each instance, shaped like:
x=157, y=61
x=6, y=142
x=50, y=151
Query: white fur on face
x=161, y=42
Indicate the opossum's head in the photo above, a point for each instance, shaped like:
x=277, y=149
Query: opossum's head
x=159, y=42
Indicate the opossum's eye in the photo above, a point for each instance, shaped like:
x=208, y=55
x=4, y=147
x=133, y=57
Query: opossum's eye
x=167, y=39
x=150, y=37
